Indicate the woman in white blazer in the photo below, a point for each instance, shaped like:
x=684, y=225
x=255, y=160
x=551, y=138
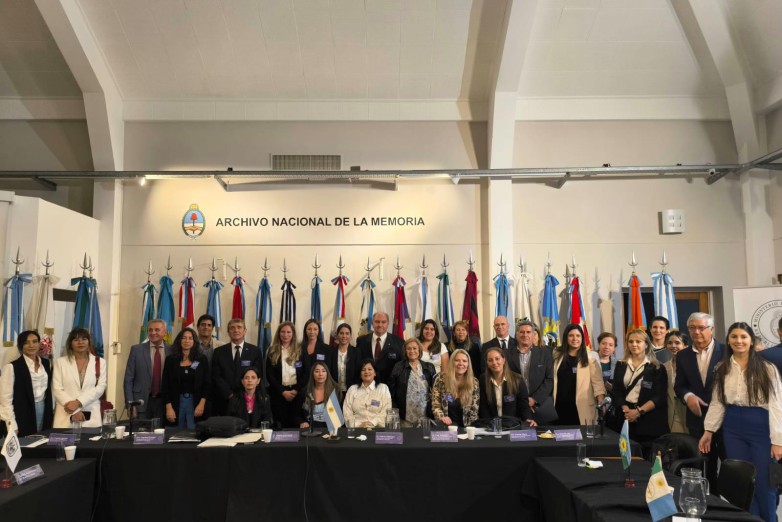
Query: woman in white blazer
x=76, y=383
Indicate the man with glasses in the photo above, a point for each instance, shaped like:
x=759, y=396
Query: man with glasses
x=695, y=380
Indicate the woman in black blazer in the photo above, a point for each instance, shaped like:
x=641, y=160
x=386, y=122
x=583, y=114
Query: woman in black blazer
x=401, y=389
x=313, y=349
x=185, y=385
x=640, y=389
x=27, y=408
x=285, y=372
x=513, y=392
x=344, y=362
x=253, y=403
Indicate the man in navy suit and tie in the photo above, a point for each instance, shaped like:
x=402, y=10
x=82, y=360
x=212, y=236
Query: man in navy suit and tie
x=228, y=362
x=383, y=347
x=144, y=371
x=695, y=380
x=774, y=354
x=502, y=340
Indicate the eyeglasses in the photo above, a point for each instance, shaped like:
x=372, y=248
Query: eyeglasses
x=698, y=328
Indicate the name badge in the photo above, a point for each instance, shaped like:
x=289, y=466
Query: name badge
x=448, y=397
x=320, y=357
x=245, y=364
x=575, y=369
x=509, y=398
x=375, y=404
x=646, y=385
x=64, y=439
x=392, y=356
x=195, y=364
x=297, y=364
x=607, y=374
x=423, y=377
x=436, y=357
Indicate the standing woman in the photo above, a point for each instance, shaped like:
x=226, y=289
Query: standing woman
x=313, y=349
x=25, y=389
x=640, y=388
x=185, y=385
x=78, y=382
x=606, y=343
x=366, y=403
x=461, y=340
x=286, y=375
x=320, y=386
x=503, y=392
x=578, y=383
x=252, y=404
x=432, y=350
x=747, y=403
x=411, y=384
x=343, y=361
x=675, y=342
x=456, y=392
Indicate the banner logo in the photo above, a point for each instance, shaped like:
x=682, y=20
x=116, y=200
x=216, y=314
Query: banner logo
x=765, y=321
x=193, y=222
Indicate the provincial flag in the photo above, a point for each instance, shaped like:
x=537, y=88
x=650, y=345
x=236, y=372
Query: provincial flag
x=334, y=418
x=636, y=315
x=659, y=496
x=624, y=445
x=12, y=451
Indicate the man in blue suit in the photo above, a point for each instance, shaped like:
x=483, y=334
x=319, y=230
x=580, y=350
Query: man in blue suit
x=144, y=371
x=774, y=354
x=695, y=380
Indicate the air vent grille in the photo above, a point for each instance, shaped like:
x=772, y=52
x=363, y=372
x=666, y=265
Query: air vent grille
x=306, y=162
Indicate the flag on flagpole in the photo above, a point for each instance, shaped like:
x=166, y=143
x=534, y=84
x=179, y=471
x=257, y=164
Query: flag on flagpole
x=13, y=307
x=263, y=315
x=445, y=303
x=288, y=305
x=165, y=305
x=213, y=305
x=636, y=316
x=147, y=308
x=624, y=446
x=524, y=297
x=340, y=305
x=187, y=302
x=238, y=309
x=367, y=305
x=401, y=313
x=549, y=313
x=87, y=311
x=425, y=305
x=502, y=305
x=316, y=309
x=664, y=300
x=659, y=495
x=40, y=316
x=12, y=451
x=334, y=417
x=470, y=306
x=96, y=325
x=577, y=315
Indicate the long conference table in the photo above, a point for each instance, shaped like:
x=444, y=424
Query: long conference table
x=346, y=480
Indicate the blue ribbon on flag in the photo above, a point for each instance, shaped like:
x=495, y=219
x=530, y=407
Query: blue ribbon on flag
x=213, y=304
x=13, y=307
x=165, y=305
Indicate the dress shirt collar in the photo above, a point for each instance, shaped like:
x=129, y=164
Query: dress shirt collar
x=370, y=387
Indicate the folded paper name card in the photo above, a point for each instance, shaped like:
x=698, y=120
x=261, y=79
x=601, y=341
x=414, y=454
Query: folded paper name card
x=389, y=437
x=62, y=439
x=523, y=435
x=146, y=438
x=445, y=436
x=286, y=436
x=562, y=435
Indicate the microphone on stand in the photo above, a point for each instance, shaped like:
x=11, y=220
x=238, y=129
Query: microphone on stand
x=133, y=413
x=311, y=417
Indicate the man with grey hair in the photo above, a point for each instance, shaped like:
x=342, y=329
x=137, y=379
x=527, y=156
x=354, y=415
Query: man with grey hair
x=381, y=346
x=536, y=366
x=695, y=380
x=144, y=371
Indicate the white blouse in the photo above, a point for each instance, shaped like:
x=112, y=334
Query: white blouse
x=736, y=394
x=367, y=404
x=435, y=358
x=40, y=384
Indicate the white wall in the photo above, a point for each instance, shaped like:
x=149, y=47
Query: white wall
x=774, y=133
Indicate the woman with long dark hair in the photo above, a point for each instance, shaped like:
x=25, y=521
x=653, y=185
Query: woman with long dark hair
x=185, y=385
x=78, y=382
x=320, y=386
x=432, y=350
x=578, y=382
x=252, y=403
x=313, y=349
x=25, y=388
x=343, y=361
x=747, y=404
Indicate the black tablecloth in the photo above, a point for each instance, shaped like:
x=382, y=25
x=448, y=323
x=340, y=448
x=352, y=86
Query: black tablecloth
x=567, y=492
x=63, y=493
x=345, y=480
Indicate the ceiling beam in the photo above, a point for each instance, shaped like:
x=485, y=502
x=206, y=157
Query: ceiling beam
x=102, y=100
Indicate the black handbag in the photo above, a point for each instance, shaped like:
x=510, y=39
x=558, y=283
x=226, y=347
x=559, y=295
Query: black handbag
x=221, y=427
x=615, y=417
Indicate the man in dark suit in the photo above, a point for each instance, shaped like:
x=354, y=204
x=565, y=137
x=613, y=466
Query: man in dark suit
x=228, y=361
x=695, y=380
x=536, y=367
x=774, y=354
x=144, y=371
x=383, y=347
x=502, y=340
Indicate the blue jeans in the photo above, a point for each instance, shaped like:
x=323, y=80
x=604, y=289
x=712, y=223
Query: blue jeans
x=39, y=407
x=186, y=416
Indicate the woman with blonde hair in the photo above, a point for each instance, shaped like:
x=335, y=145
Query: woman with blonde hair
x=456, y=392
x=285, y=372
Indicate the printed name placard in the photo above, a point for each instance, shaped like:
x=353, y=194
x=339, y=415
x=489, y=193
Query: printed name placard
x=142, y=439
x=61, y=439
x=562, y=435
x=26, y=475
x=285, y=436
x=445, y=436
x=523, y=435
x=390, y=437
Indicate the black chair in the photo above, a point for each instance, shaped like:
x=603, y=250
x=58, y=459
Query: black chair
x=677, y=451
x=736, y=482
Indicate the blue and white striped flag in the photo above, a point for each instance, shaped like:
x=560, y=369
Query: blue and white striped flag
x=334, y=417
x=13, y=307
x=664, y=300
x=213, y=305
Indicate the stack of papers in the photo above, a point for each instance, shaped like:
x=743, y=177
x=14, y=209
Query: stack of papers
x=218, y=442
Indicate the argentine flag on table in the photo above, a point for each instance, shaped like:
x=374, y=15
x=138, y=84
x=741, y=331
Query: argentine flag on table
x=624, y=446
x=659, y=496
x=334, y=418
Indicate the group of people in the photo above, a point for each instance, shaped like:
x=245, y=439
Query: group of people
x=729, y=397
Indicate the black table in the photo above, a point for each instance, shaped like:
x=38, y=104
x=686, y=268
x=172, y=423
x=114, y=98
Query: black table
x=347, y=480
x=567, y=492
x=63, y=493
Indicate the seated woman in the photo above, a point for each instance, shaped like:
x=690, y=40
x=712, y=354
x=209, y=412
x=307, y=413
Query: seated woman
x=432, y=350
x=456, y=393
x=343, y=361
x=641, y=390
x=606, y=347
x=185, y=385
x=78, y=381
x=366, y=403
x=675, y=341
x=319, y=388
x=25, y=389
x=503, y=392
x=253, y=405
x=411, y=384
x=578, y=384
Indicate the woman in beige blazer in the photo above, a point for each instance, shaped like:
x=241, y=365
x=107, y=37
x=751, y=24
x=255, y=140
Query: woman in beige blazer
x=76, y=384
x=578, y=382
x=675, y=342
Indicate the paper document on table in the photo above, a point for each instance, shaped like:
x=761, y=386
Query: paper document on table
x=217, y=442
x=488, y=431
x=38, y=442
x=246, y=438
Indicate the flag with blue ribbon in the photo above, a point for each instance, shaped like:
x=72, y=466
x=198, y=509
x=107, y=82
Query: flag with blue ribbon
x=334, y=417
x=213, y=304
x=664, y=300
x=445, y=303
x=425, y=304
x=87, y=311
x=147, y=308
x=549, y=312
x=636, y=315
x=470, y=306
x=367, y=305
x=340, y=305
x=187, y=302
x=401, y=312
x=165, y=305
x=577, y=315
x=288, y=304
x=238, y=309
x=316, y=307
x=263, y=315
x=13, y=307
x=502, y=306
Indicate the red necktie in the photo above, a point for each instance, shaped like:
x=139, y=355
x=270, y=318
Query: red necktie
x=157, y=367
x=378, y=349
